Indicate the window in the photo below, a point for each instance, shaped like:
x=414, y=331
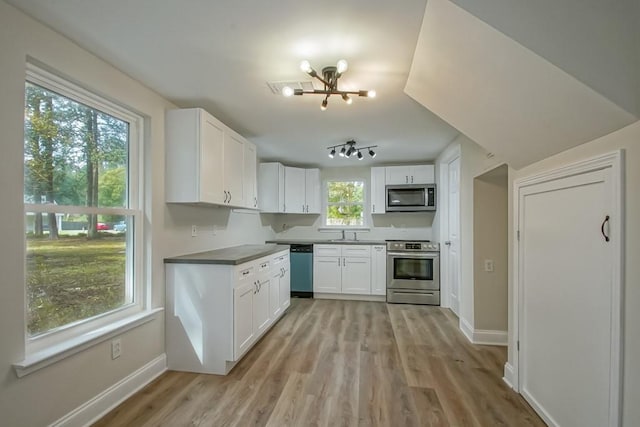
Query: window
x=345, y=204
x=82, y=213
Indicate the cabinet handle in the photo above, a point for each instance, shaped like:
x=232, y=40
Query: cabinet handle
x=606, y=220
x=373, y=207
x=225, y=196
x=406, y=179
x=412, y=179
x=255, y=288
x=338, y=262
x=229, y=196
x=255, y=202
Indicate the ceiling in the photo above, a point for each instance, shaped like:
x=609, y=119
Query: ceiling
x=219, y=55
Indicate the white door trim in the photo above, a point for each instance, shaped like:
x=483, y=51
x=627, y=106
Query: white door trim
x=613, y=160
x=443, y=211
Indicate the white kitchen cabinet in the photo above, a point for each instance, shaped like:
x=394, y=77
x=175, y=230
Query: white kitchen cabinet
x=379, y=270
x=378, y=191
x=294, y=190
x=204, y=160
x=194, y=160
x=280, y=289
x=250, y=191
x=410, y=174
x=285, y=189
x=342, y=269
x=312, y=191
x=216, y=312
x=271, y=187
x=243, y=331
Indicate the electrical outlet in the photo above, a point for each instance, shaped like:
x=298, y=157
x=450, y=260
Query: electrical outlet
x=116, y=348
x=488, y=265
x=194, y=230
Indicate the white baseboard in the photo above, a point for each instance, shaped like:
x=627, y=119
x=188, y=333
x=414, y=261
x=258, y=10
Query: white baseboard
x=94, y=409
x=510, y=376
x=483, y=336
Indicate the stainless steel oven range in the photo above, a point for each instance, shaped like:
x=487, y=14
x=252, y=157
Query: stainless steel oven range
x=413, y=272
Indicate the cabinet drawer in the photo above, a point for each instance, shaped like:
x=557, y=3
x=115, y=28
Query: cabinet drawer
x=327, y=250
x=245, y=272
x=356, y=251
x=263, y=265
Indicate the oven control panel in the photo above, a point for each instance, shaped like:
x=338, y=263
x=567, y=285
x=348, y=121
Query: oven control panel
x=413, y=246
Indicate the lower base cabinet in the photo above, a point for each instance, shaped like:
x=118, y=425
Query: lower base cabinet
x=342, y=269
x=216, y=313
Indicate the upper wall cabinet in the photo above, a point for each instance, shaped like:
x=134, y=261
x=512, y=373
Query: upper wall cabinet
x=284, y=189
x=207, y=162
x=414, y=174
x=378, y=181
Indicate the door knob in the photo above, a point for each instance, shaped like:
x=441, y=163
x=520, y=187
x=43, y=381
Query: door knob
x=448, y=243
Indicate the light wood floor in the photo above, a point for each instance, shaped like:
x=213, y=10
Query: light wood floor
x=343, y=363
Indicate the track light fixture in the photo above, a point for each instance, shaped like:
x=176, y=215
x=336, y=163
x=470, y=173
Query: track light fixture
x=349, y=148
x=329, y=79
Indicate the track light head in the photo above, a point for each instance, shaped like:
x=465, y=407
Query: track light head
x=323, y=106
x=332, y=153
x=343, y=151
x=360, y=155
x=347, y=99
x=372, y=153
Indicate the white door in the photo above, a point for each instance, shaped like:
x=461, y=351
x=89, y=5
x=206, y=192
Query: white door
x=327, y=274
x=452, y=244
x=285, y=286
x=356, y=276
x=261, y=310
x=242, y=318
x=294, y=190
x=395, y=175
x=422, y=174
x=211, y=166
x=567, y=356
x=312, y=191
x=378, y=193
x=233, y=175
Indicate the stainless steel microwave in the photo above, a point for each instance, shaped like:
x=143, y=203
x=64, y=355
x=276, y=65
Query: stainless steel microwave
x=411, y=198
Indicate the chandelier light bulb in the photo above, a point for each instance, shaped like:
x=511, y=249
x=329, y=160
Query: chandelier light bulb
x=305, y=66
x=372, y=153
x=371, y=94
x=342, y=66
x=323, y=106
x=287, y=91
x=332, y=154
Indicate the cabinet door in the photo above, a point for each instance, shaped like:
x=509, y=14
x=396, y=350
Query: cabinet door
x=285, y=286
x=378, y=270
x=378, y=194
x=356, y=276
x=261, y=310
x=327, y=274
x=312, y=191
x=396, y=175
x=294, y=189
x=249, y=181
x=422, y=174
x=243, y=331
x=233, y=168
x=211, y=166
x=274, y=293
x=271, y=187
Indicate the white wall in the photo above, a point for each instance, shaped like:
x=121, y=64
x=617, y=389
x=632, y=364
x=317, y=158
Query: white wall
x=410, y=225
x=628, y=139
x=46, y=395
x=474, y=160
x=490, y=236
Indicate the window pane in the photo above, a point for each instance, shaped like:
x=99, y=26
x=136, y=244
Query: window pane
x=345, y=192
x=72, y=278
x=345, y=215
x=74, y=154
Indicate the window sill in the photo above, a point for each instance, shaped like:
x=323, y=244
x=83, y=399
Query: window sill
x=327, y=229
x=43, y=358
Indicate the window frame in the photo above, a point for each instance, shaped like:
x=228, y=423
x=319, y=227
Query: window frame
x=325, y=205
x=135, y=265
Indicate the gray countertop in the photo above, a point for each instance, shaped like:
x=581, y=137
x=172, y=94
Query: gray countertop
x=326, y=242
x=228, y=256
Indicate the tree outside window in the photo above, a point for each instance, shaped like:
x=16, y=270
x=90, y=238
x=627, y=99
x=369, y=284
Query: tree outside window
x=345, y=203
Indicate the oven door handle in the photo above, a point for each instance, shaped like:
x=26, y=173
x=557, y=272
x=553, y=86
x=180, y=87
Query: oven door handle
x=413, y=255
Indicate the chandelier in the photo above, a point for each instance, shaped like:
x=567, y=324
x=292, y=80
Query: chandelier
x=329, y=79
x=349, y=148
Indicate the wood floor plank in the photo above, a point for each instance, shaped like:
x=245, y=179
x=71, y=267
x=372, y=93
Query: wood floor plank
x=343, y=363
